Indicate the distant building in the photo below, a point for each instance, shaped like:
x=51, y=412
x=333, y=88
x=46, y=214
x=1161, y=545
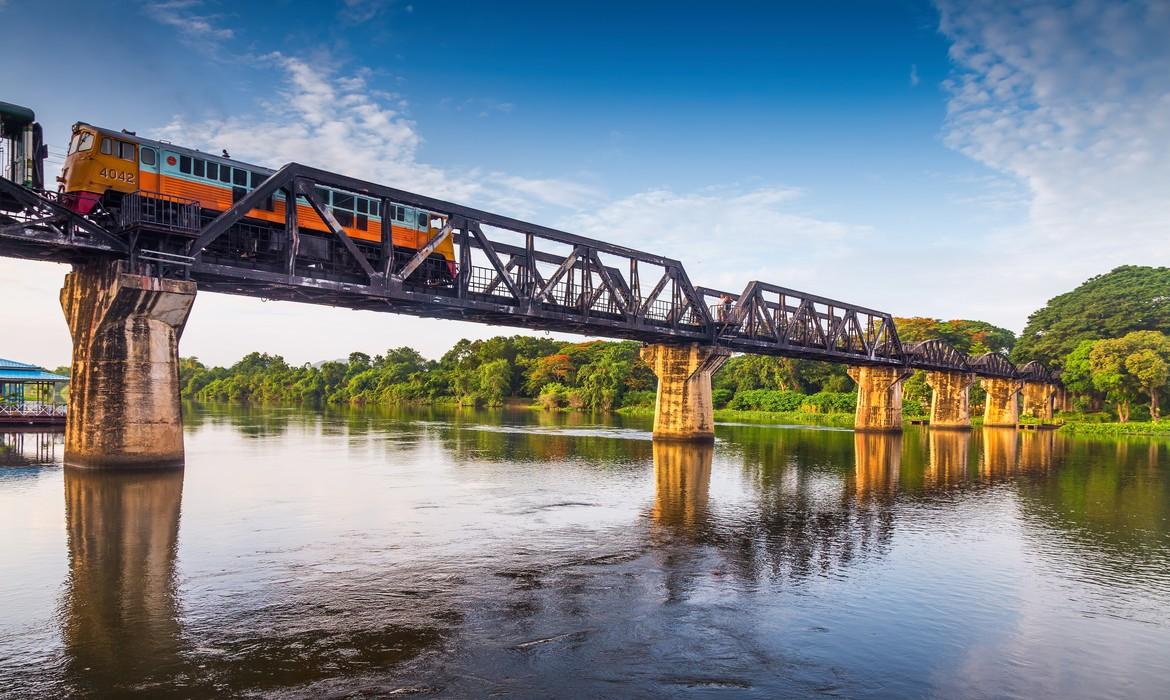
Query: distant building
x=30, y=395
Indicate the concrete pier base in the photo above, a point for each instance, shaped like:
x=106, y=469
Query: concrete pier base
x=682, y=408
x=950, y=404
x=1039, y=400
x=879, y=398
x=124, y=409
x=1002, y=408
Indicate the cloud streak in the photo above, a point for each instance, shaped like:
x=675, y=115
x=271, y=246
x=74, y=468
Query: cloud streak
x=339, y=123
x=185, y=16
x=1073, y=102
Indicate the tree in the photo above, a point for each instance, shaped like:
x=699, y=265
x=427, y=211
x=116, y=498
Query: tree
x=1124, y=367
x=495, y=381
x=1151, y=370
x=1130, y=298
x=1077, y=375
x=968, y=337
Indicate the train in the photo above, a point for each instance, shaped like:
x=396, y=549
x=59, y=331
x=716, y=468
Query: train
x=102, y=167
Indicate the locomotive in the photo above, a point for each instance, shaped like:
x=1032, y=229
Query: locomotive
x=103, y=167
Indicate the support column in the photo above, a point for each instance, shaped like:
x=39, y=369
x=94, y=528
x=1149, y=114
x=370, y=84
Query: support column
x=124, y=409
x=879, y=397
x=1002, y=409
x=682, y=408
x=950, y=404
x=1038, y=399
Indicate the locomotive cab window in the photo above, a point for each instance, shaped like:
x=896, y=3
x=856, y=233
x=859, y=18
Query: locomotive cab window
x=199, y=167
x=82, y=141
x=127, y=151
x=108, y=146
x=149, y=156
x=225, y=173
x=185, y=165
x=212, y=171
x=239, y=177
x=423, y=220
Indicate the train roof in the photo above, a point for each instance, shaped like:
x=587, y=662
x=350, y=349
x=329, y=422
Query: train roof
x=130, y=136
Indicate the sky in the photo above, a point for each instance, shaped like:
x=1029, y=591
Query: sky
x=942, y=159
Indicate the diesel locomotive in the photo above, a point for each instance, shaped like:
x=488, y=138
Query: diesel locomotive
x=103, y=167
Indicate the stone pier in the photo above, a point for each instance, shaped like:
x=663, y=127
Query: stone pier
x=1002, y=406
x=879, y=397
x=124, y=409
x=950, y=404
x=683, y=409
x=1039, y=398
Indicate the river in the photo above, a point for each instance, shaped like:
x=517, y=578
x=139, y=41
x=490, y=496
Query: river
x=522, y=554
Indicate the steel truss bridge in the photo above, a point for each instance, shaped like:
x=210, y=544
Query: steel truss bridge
x=509, y=273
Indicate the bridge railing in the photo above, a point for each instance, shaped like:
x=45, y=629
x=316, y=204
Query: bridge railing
x=160, y=211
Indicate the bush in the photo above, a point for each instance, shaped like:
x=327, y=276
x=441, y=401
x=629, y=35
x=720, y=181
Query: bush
x=553, y=396
x=767, y=400
x=830, y=402
x=639, y=399
x=719, y=397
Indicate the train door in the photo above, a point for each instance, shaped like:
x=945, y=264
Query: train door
x=149, y=169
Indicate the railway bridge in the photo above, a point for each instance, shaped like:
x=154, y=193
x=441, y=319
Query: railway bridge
x=135, y=274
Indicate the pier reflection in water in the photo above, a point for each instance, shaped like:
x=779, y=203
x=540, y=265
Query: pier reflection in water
x=464, y=554
x=121, y=611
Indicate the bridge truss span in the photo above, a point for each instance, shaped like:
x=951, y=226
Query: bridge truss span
x=511, y=272
x=506, y=272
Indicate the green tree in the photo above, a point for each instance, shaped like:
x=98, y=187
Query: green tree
x=1130, y=298
x=1124, y=367
x=495, y=381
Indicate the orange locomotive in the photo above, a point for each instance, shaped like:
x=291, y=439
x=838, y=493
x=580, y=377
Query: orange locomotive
x=103, y=166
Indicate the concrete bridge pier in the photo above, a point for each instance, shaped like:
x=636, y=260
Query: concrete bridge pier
x=124, y=409
x=1003, y=407
x=1039, y=399
x=950, y=400
x=682, y=407
x=879, y=397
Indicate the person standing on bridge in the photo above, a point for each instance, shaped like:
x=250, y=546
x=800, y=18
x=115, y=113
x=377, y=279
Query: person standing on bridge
x=724, y=307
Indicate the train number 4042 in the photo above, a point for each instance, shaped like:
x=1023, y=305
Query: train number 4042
x=113, y=174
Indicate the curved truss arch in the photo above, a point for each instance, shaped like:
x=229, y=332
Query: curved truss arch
x=994, y=364
x=1036, y=372
x=937, y=354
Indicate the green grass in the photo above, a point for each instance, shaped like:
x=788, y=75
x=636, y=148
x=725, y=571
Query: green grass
x=1106, y=429
x=836, y=420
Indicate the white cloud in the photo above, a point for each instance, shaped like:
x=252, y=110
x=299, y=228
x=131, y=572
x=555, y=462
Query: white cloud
x=726, y=237
x=1072, y=100
x=339, y=123
x=185, y=16
x=914, y=79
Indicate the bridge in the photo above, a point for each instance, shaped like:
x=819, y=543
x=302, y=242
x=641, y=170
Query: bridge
x=136, y=273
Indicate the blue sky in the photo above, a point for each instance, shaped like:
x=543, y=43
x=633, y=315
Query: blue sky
x=945, y=159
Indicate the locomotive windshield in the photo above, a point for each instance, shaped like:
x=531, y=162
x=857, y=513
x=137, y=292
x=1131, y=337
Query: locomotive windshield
x=82, y=141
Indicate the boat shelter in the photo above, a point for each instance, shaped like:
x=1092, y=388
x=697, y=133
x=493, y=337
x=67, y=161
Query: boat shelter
x=30, y=395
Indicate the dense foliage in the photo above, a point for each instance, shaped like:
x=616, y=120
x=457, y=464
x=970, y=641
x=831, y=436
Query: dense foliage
x=594, y=375
x=968, y=337
x=1130, y=298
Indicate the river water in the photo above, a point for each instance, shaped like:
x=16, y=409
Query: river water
x=523, y=554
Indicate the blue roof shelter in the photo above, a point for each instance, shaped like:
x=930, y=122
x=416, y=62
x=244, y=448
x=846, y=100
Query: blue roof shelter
x=30, y=395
